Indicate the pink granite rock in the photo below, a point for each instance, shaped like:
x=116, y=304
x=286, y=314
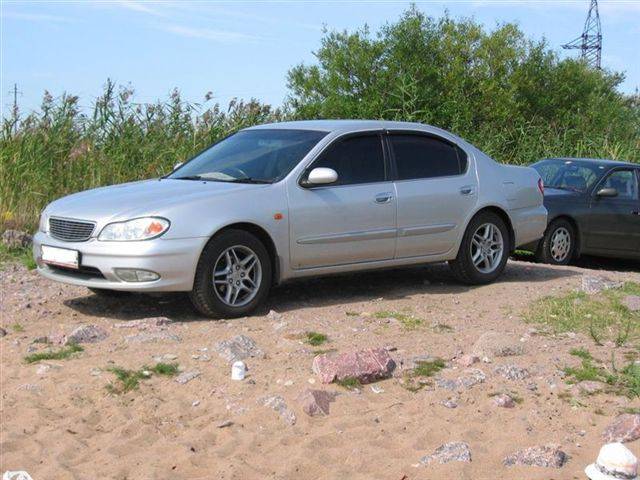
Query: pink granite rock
x=549, y=456
x=625, y=428
x=316, y=402
x=503, y=400
x=364, y=365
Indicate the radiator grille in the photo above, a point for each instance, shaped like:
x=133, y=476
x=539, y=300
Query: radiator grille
x=70, y=230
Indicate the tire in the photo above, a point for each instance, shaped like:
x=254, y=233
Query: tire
x=464, y=268
x=106, y=293
x=558, y=246
x=224, y=253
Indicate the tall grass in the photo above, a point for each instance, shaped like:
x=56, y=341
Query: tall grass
x=63, y=149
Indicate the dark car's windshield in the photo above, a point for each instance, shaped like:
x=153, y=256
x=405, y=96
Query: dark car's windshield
x=253, y=156
x=568, y=174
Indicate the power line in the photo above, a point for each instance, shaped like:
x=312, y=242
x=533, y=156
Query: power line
x=590, y=42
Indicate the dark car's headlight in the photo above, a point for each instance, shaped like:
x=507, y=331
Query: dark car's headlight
x=137, y=229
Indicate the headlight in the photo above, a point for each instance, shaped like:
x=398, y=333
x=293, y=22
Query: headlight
x=137, y=229
x=44, y=222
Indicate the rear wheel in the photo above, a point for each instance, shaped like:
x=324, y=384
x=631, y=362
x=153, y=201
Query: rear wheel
x=559, y=243
x=484, y=250
x=233, y=276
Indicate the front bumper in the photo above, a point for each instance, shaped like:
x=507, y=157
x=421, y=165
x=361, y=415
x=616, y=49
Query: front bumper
x=175, y=260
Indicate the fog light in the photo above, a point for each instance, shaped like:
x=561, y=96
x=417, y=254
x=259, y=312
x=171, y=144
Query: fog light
x=134, y=275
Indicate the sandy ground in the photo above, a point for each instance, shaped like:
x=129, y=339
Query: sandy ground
x=62, y=423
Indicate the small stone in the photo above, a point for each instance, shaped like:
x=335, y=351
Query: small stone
x=186, y=377
x=238, y=348
x=469, y=378
x=277, y=403
x=632, y=302
x=589, y=387
x=504, y=401
x=377, y=389
x=316, y=402
x=624, y=428
x=449, y=452
x=450, y=403
x=288, y=383
x=43, y=369
x=224, y=424
x=87, y=334
x=497, y=344
x=312, y=381
x=195, y=403
x=595, y=284
x=467, y=360
x=152, y=337
x=95, y=372
x=512, y=372
x=364, y=365
x=549, y=456
x=3, y=332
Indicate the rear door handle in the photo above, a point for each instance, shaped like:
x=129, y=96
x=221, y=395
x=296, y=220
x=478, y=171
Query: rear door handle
x=467, y=190
x=384, y=197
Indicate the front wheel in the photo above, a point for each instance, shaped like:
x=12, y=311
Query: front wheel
x=558, y=244
x=484, y=250
x=233, y=276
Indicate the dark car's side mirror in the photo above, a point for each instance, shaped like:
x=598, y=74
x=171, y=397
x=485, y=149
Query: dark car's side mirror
x=607, y=193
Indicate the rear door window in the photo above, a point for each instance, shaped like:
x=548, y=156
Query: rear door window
x=421, y=156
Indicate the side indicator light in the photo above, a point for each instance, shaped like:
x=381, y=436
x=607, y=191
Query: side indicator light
x=278, y=216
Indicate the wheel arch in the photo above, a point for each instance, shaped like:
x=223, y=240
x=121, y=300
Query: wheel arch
x=263, y=236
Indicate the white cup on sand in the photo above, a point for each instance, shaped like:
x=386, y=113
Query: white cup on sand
x=238, y=369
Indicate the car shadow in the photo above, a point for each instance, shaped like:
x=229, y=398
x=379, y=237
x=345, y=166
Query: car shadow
x=595, y=263
x=393, y=284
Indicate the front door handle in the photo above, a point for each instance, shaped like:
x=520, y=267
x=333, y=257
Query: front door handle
x=384, y=197
x=467, y=190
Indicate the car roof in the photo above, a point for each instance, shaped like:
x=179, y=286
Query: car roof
x=595, y=161
x=344, y=125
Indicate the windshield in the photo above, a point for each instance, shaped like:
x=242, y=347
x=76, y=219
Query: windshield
x=568, y=174
x=253, y=156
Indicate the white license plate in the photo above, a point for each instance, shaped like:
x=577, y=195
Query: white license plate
x=62, y=257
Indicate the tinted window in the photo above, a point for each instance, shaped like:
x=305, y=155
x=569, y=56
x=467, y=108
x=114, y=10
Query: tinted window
x=425, y=157
x=355, y=159
x=568, y=175
x=261, y=154
x=624, y=181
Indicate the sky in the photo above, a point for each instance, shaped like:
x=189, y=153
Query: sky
x=243, y=48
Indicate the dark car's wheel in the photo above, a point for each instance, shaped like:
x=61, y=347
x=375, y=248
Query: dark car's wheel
x=233, y=276
x=558, y=244
x=484, y=250
x=105, y=292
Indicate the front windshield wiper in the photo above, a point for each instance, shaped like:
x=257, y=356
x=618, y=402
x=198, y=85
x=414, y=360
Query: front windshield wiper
x=248, y=180
x=190, y=177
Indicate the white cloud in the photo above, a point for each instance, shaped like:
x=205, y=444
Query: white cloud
x=141, y=7
x=222, y=36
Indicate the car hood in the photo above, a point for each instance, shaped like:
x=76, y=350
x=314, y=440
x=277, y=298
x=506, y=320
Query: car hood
x=131, y=200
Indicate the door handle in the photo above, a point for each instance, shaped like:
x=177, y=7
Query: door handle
x=384, y=197
x=467, y=190
x=635, y=212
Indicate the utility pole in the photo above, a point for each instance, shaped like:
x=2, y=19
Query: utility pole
x=14, y=110
x=590, y=42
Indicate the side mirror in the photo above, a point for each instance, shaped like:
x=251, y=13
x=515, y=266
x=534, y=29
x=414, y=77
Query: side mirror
x=607, y=192
x=177, y=165
x=321, y=176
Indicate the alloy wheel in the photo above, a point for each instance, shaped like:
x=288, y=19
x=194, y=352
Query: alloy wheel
x=487, y=248
x=237, y=276
x=560, y=245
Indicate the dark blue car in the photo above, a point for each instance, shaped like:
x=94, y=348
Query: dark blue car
x=594, y=209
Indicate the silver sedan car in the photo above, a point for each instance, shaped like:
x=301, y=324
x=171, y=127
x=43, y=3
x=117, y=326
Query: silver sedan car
x=296, y=199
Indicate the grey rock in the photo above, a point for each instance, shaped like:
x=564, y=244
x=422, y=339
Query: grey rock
x=3, y=332
x=593, y=284
x=504, y=401
x=186, y=377
x=469, y=378
x=449, y=452
x=450, y=403
x=589, y=387
x=549, y=456
x=16, y=239
x=512, y=372
x=497, y=344
x=238, y=348
x=152, y=337
x=277, y=403
x=625, y=428
x=316, y=402
x=87, y=334
x=224, y=424
x=632, y=302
